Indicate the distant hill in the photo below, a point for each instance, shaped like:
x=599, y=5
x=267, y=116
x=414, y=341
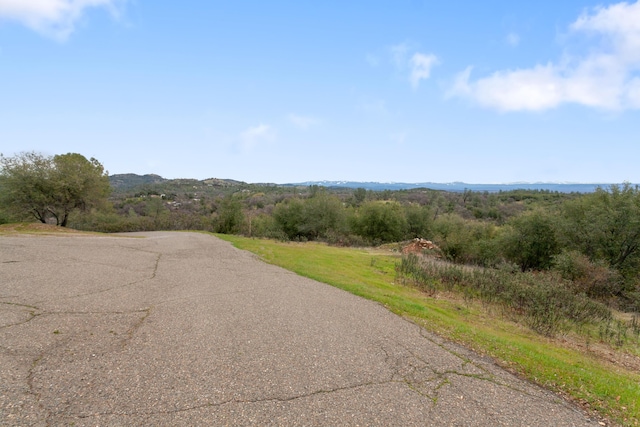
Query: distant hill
x=459, y=186
x=127, y=181
x=130, y=181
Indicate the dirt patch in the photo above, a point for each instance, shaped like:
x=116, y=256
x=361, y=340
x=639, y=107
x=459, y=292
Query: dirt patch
x=419, y=246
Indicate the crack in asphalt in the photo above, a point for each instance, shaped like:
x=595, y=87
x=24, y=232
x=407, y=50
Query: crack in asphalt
x=390, y=380
x=443, y=376
x=238, y=401
x=18, y=304
x=32, y=313
x=465, y=361
x=132, y=330
x=31, y=389
x=100, y=291
x=36, y=312
x=31, y=373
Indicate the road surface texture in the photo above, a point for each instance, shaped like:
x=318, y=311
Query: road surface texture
x=182, y=329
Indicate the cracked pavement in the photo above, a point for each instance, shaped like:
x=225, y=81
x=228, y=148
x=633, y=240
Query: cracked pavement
x=183, y=329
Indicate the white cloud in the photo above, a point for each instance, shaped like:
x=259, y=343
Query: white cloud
x=421, y=67
x=405, y=56
x=606, y=77
x=303, y=122
x=253, y=136
x=535, y=89
x=53, y=18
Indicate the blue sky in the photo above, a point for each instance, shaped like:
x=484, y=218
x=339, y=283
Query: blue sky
x=289, y=91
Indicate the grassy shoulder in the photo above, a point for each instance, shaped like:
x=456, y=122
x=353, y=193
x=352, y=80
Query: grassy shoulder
x=572, y=370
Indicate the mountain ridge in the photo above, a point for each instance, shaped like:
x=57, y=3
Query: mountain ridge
x=131, y=180
x=458, y=186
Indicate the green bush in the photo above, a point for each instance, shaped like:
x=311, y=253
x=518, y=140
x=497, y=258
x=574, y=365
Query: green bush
x=531, y=241
x=230, y=216
x=466, y=241
x=310, y=219
x=380, y=222
x=289, y=217
x=419, y=221
x=322, y=214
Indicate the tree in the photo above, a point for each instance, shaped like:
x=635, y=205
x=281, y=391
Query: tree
x=230, y=216
x=380, y=222
x=322, y=214
x=289, y=217
x=26, y=185
x=156, y=209
x=532, y=242
x=312, y=218
x=606, y=225
x=464, y=241
x=359, y=195
x=51, y=187
x=419, y=220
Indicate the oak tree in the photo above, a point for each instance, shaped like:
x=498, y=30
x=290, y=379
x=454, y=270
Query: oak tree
x=50, y=188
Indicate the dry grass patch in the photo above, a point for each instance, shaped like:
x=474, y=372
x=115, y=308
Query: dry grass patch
x=38, y=228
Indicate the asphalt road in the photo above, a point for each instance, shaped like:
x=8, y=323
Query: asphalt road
x=181, y=329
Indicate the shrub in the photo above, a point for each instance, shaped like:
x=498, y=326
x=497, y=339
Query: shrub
x=606, y=225
x=531, y=242
x=596, y=280
x=419, y=221
x=230, y=216
x=466, y=241
x=380, y=222
x=542, y=301
x=289, y=217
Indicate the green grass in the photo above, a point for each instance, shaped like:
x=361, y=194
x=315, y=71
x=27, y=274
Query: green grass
x=601, y=386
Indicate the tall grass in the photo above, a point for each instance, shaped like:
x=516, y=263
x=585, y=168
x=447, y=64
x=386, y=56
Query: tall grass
x=544, y=302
